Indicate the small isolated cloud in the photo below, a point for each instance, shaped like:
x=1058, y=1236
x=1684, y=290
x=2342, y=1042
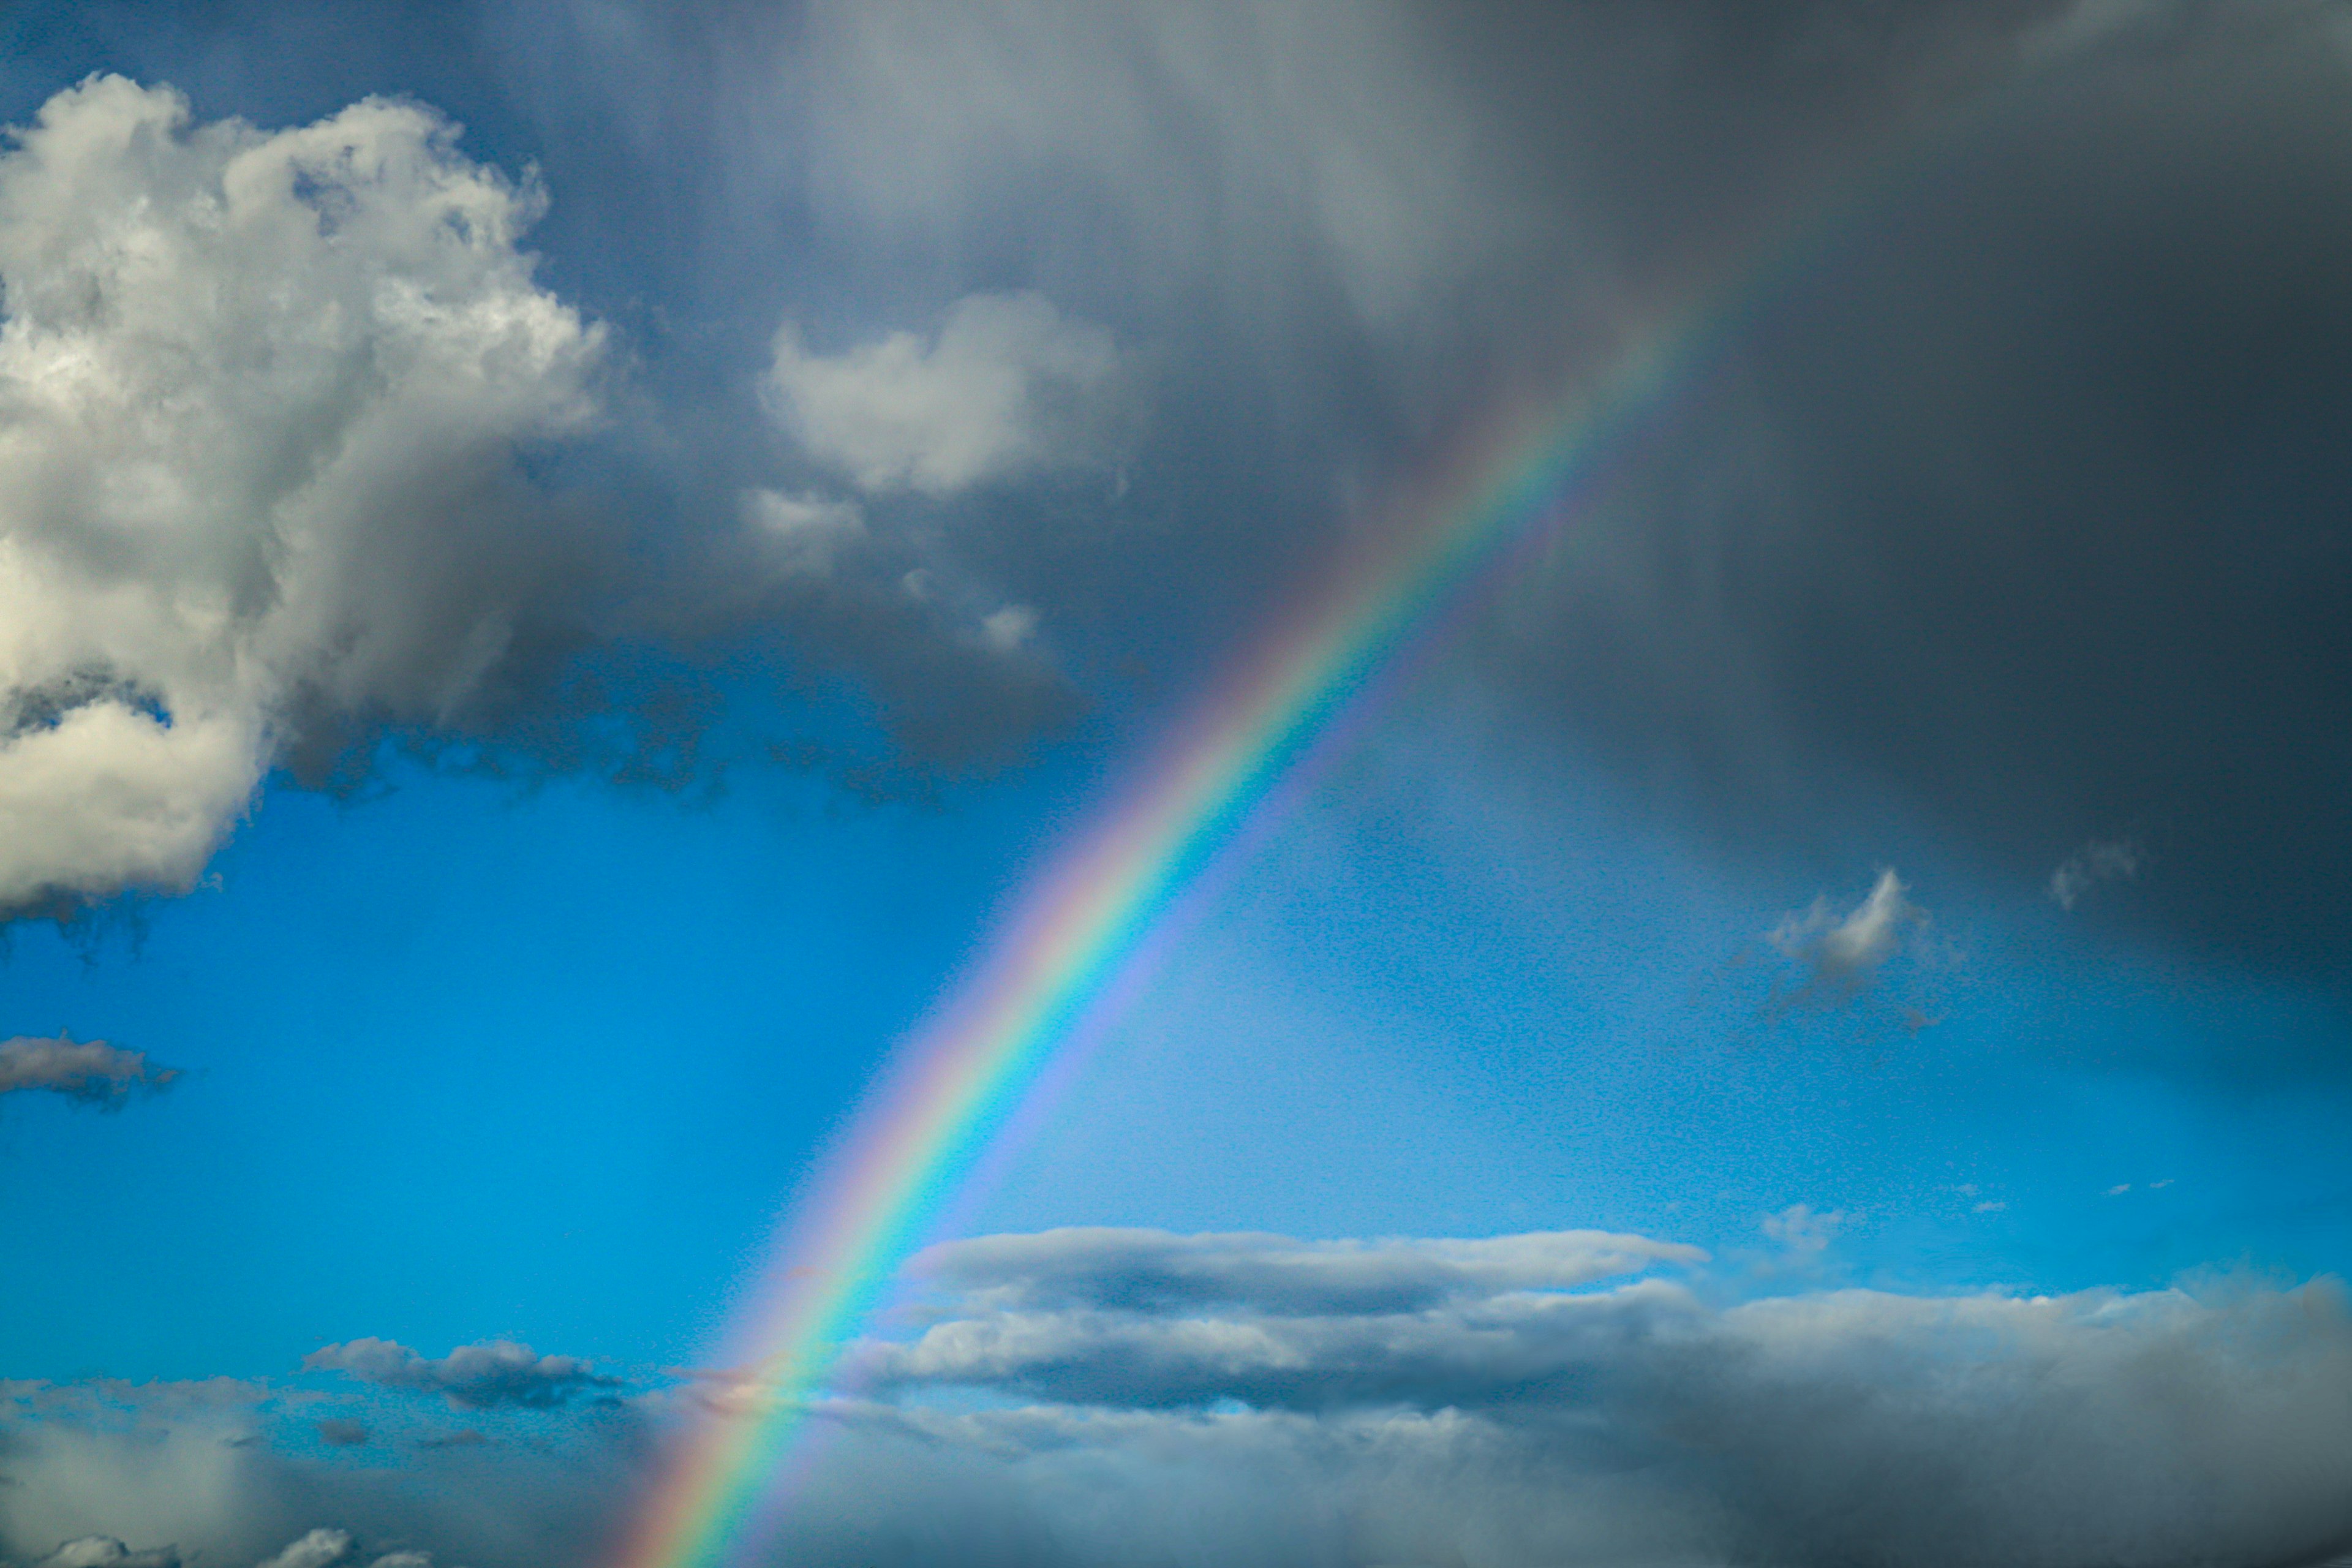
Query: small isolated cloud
x=340, y=1433
x=1804, y=1230
x=337, y=1549
x=90, y=1071
x=317, y=1549
x=2100, y=860
x=803, y=535
x=471, y=1377
x=1009, y=388
x=1989, y=1207
x=2119, y=1189
x=1843, y=955
x=1009, y=629
x=105, y=1551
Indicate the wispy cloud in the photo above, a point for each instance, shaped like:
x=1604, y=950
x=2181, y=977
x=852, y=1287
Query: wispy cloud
x=2100, y=860
x=90, y=1071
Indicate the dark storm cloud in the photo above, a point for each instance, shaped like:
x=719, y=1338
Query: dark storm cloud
x=2014, y=502
x=2026, y=502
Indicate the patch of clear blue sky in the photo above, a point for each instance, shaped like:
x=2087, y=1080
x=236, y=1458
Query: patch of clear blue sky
x=468, y=1063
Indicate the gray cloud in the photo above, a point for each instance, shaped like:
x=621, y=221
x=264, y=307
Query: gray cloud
x=471, y=1377
x=2019, y=503
x=2100, y=860
x=1155, y=1270
x=1641, y=1420
x=105, y=1552
x=1256, y=1400
x=91, y=1071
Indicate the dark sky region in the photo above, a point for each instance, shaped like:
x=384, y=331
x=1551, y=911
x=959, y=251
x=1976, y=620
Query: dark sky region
x=561, y=565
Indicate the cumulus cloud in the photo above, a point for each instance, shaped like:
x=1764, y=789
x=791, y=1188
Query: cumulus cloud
x=1843, y=954
x=471, y=1377
x=2100, y=860
x=1008, y=388
x=90, y=1071
x=260, y=398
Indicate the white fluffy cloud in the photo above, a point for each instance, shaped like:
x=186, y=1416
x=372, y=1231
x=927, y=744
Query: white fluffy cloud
x=87, y=1070
x=259, y=397
x=1008, y=388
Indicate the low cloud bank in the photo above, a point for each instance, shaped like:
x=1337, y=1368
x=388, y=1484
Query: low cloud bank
x=1089, y=1397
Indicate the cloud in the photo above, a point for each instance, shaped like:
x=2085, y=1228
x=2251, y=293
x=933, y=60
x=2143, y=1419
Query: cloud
x=1843, y=954
x=317, y=1549
x=2000, y=517
x=105, y=1552
x=341, y=1434
x=1641, y=1421
x=1804, y=1231
x=262, y=395
x=1158, y=1271
x=1008, y=388
x=1080, y=1397
x=326, y=1547
x=471, y=1377
x=2100, y=860
x=806, y=532
x=90, y=1071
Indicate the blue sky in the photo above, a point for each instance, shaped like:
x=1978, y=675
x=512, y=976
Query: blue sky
x=564, y=564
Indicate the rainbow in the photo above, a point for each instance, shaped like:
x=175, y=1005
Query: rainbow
x=1077, y=944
